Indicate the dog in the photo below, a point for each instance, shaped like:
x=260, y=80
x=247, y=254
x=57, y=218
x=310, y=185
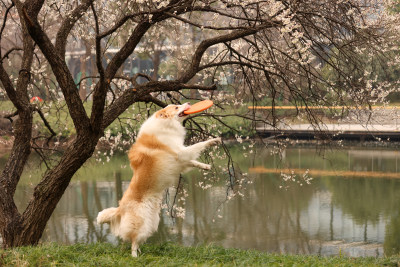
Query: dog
x=157, y=158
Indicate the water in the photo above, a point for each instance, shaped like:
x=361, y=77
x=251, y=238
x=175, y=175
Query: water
x=351, y=206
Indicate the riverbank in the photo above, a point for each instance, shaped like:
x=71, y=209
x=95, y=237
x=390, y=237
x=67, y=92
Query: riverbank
x=104, y=254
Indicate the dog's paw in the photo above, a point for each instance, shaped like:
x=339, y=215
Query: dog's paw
x=206, y=167
x=98, y=219
x=195, y=163
x=215, y=141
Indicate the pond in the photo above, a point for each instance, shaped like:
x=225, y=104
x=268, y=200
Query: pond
x=350, y=207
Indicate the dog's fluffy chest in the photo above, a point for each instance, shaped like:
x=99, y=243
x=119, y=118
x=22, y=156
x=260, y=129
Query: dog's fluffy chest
x=156, y=164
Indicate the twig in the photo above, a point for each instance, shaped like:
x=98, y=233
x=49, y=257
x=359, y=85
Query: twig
x=9, y=52
x=150, y=98
x=5, y=21
x=42, y=156
x=179, y=186
x=46, y=123
x=137, y=75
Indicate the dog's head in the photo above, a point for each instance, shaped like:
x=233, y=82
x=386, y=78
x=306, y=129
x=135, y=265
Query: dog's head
x=168, y=119
x=173, y=112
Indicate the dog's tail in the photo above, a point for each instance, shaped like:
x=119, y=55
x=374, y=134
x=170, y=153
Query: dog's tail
x=107, y=216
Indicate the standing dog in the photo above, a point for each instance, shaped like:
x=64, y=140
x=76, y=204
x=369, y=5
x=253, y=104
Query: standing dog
x=158, y=158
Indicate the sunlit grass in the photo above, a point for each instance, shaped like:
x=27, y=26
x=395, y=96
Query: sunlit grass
x=104, y=254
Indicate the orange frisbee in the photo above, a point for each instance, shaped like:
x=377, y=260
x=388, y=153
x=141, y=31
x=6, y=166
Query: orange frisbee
x=199, y=106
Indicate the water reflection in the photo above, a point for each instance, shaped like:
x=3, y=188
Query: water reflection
x=349, y=214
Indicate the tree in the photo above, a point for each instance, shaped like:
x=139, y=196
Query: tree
x=269, y=48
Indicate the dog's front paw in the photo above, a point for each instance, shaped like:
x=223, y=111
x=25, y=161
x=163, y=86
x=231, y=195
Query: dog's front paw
x=215, y=141
x=206, y=167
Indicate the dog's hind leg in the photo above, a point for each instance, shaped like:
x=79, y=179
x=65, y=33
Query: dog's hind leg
x=135, y=245
x=135, y=249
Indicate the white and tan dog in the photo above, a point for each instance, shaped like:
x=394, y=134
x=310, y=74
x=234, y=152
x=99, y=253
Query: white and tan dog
x=158, y=158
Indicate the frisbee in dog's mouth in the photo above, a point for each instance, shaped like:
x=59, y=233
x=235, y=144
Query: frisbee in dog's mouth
x=198, y=107
x=182, y=113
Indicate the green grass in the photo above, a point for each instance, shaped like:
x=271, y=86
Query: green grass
x=104, y=254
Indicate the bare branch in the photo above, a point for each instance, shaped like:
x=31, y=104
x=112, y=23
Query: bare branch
x=124, y=19
x=229, y=63
x=204, y=45
x=61, y=71
x=99, y=65
x=137, y=75
x=199, y=87
x=47, y=124
x=6, y=55
x=141, y=28
x=143, y=90
x=100, y=91
x=9, y=87
x=200, y=26
x=68, y=24
x=5, y=21
x=127, y=49
x=149, y=98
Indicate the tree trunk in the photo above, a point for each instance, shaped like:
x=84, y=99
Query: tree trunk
x=27, y=229
x=10, y=218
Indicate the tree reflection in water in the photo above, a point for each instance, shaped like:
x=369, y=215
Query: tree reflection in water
x=299, y=219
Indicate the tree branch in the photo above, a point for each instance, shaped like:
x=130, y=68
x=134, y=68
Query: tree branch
x=127, y=49
x=100, y=91
x=137, y=75
x=9, y=52
x=125, y=52
x=9, y=87
x=68, y=24
x=124, y=19
x=199, y=87
x=204, y=45
x=99, y=65
x=141, y=28
x=47, y=124
x=150, y=98
x=187, y=21
x=4, y=22
x=61, y=72
x=142, y=91
x=225, y=63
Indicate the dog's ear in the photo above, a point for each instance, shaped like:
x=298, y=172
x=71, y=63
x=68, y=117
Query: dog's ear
x=163, y=114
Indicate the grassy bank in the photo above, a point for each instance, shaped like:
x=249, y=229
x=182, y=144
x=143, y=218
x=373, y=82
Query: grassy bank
x=103, y=254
